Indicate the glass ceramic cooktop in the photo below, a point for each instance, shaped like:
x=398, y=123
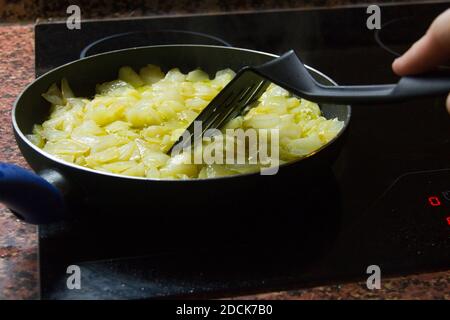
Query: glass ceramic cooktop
x=385, y=201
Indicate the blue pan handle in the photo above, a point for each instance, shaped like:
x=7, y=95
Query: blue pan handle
x=29, y=196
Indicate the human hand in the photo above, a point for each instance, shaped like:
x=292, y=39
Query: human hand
x=430, y=51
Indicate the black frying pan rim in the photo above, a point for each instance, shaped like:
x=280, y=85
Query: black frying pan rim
x=89, y=170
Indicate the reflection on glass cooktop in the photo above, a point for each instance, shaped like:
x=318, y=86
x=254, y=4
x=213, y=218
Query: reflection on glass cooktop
x=385, y=201
x=132, y=39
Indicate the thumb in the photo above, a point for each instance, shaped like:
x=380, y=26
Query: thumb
x=448, y=103
x=430, y=51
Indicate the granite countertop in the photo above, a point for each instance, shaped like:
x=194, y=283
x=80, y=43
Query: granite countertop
x=31, y=9
x=18, y=241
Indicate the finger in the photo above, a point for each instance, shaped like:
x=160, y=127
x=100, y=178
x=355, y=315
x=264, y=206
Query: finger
x=448, y=103
x=430, y=51
x=424, y=55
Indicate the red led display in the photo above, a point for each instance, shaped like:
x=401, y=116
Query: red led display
x=434, y=201
x=448, y=221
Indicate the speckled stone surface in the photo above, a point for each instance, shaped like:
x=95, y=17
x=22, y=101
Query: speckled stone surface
x=424, y=287
x=12, y=10
x=18, y=241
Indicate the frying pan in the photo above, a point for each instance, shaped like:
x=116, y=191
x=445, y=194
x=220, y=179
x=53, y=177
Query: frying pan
x=60, y=190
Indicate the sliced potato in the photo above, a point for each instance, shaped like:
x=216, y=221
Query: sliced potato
x=151, y=74
x=129, y=125
x=130, y=76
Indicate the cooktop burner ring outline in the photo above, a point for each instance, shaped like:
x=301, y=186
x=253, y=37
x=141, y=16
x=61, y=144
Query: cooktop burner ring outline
x=85, y=52
x=378, y=36
x=381, y=43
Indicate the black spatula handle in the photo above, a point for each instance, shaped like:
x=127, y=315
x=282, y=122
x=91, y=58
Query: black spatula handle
x=289, y=72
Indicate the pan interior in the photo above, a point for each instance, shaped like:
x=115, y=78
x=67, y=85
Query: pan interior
x=84, y=74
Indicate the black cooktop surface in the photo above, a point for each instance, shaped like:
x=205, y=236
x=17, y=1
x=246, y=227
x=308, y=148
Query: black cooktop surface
x=385, y=202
